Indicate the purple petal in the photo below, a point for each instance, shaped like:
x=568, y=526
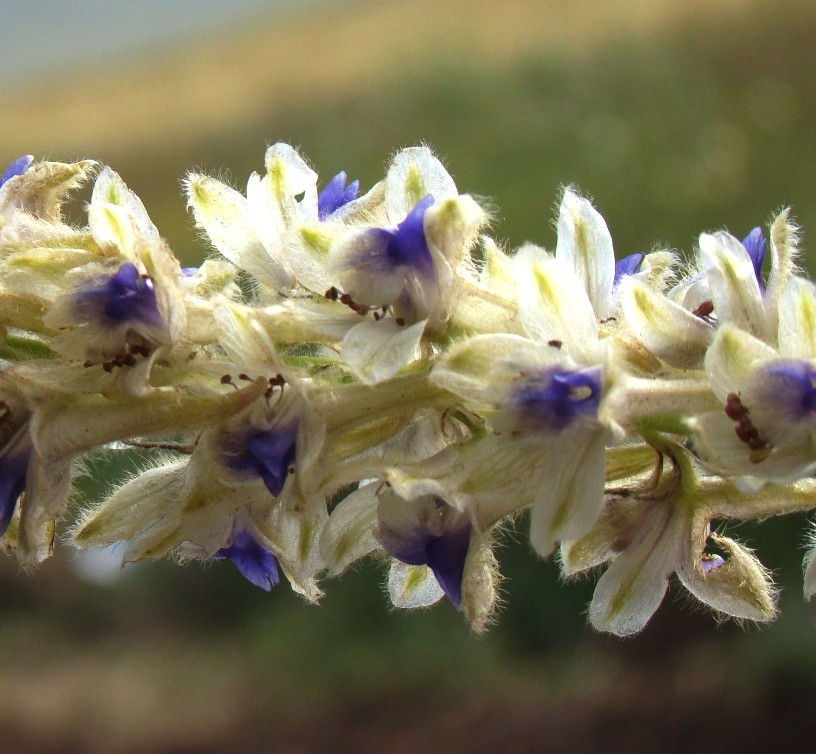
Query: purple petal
x=791, y=387
x=710, y=563
x=256, y=564
x=552, y=401
x=410, y=547
x=627, y=266
x=446, y=558
x=407, y=246
x=443, y=552
x=17, y=167
x=125, y=296
x=13, y=469
x=755, y=245
x=335, y=195
x=268, y=455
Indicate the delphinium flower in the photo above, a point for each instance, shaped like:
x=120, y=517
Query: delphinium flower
x=238, y=473
x=767, y=420
x=727, y=287
x=658, y=524
x=280, y=240
x=406, y=268
x=33, y=492
x=543, y=396
x=427, y=534
x=364, y=374
x=120, y=314
x=435, y=548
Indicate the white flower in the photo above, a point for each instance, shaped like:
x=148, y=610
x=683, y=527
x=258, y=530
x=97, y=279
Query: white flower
x=767, y=426
x=656, y=527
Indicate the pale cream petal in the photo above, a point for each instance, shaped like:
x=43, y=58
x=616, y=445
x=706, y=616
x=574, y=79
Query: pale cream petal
x=109, y=188
x=669, y=331
x=413, y=174
x=349, y=533
x=411, y=587
x=467, y=368
x=585, y=247
x=734, y=288
x=132, y=507
x=797, y=319
x=553, y=305
x=479, y=582
x=633, y=586
x=375, y=351
x=731, y=359
x=570, y=498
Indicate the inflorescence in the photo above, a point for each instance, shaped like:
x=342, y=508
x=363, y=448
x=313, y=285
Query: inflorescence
x=351, y=375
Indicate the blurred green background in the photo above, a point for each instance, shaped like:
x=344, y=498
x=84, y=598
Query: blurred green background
x=676, y=118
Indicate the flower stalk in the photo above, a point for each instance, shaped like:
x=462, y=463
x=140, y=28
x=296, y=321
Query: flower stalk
x=359, y=373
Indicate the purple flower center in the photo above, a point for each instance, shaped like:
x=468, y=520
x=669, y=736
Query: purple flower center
x=444, y=553
x=123, y=297
x=335, y=195
x=554, y=400
x=791, y=385
x=256, y=564
x=406, y=245
x=268, y=455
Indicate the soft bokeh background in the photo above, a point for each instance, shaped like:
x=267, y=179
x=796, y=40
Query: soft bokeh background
x=676, y=117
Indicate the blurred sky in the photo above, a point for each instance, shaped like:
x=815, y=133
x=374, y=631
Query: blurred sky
x=49, y=35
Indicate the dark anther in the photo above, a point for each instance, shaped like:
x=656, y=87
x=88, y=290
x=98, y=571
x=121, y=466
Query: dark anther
x=291, y=469
x=244, y=377
x=226, y=379
x=400, y=321
x=108, y=366
x=733, y=407
x=129, y=360
x=704, y=310
x=746, y=432
x=332, y=293
x=87, y=364
x=555, y=343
